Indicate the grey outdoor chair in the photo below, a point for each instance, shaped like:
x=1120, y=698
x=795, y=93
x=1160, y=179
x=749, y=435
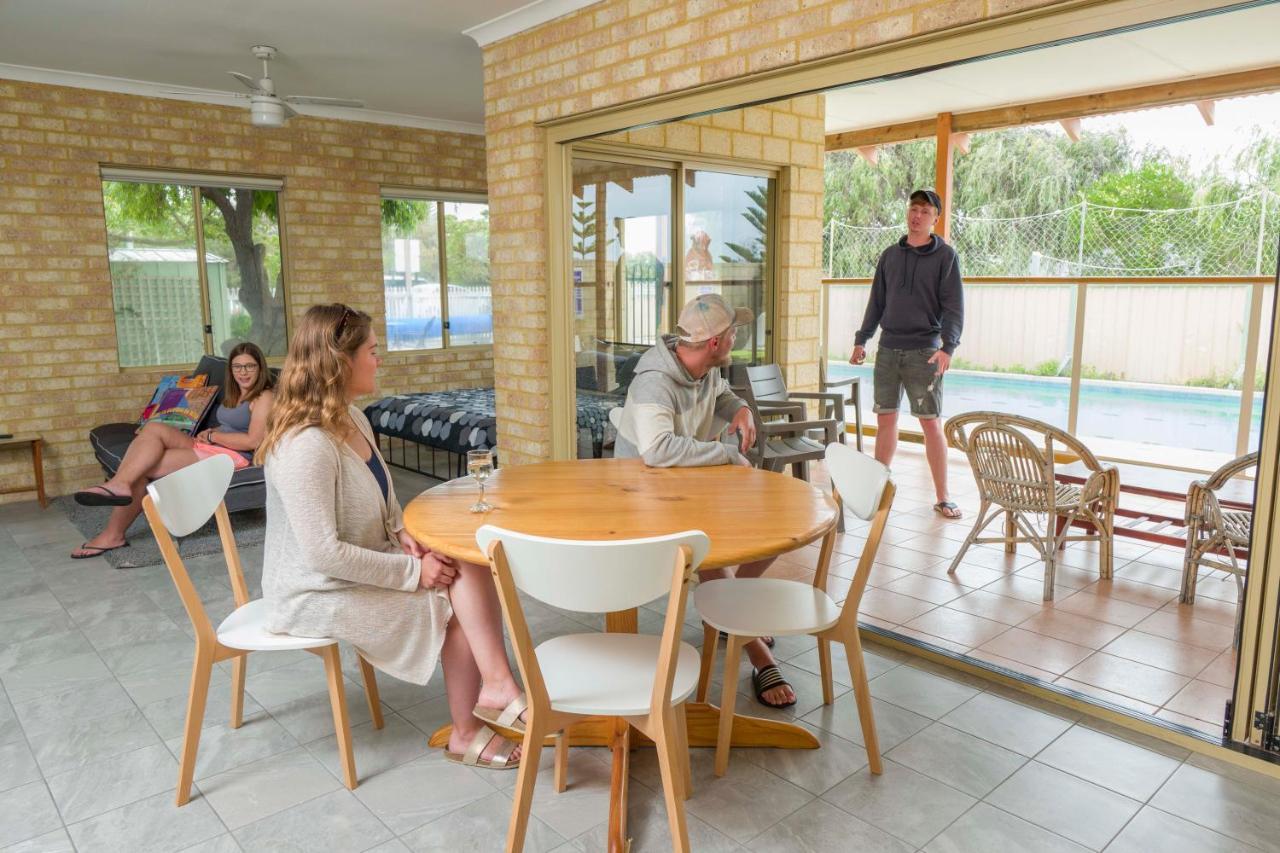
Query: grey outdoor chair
x=772, y=395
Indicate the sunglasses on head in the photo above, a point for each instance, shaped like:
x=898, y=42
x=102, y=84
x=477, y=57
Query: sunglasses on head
x=342, y=324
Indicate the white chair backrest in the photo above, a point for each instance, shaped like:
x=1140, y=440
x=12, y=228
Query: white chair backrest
x=859, y=479
x=593, y=577
x=187, y=498
x=615, y=417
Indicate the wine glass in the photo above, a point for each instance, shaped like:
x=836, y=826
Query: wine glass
x=480, y=466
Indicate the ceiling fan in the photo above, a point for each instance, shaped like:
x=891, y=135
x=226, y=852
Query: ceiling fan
x=266, y=108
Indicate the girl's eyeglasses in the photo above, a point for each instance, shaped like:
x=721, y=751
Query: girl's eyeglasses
x=244, y=368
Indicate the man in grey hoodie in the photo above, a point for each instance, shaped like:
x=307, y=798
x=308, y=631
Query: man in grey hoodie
x=917, y=299
x=677, y=406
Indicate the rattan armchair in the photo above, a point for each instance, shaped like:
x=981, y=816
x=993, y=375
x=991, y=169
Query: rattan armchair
x=1214, y=533
x=1013, y=462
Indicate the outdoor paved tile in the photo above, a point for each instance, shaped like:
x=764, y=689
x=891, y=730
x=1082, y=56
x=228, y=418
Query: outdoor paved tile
x=1128, y=678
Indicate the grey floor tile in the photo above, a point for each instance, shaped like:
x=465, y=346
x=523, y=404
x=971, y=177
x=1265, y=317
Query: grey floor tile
x=1235, y=809
x=336, y=822
x=161, y=645
x=395, y=845
x=253, y=791
x=822, y=828
x=1059, y=803
x=79, y=743
x=649, y=829
x=153, y=825
x=376, y=751
x=105, y=785
x=309, y=718
x=409, y=795
x=986, y=828
x=59, y=676
x=40, y=602
x=1006, y=723
x=902, y=802
x=169, y=716
x=958, y=759
x=10, y=728
x=17, y=764
x=1109, y=762
x=585, y=802
x=815, y=770
x=99, y=698
x=478, y=827
x=28, y=811
x=427, y=716
x=744, y=802
x=51, y=842
x=876, y=665
x=171, y=679
x=921, y=692
x=278, y=686
x=223, y=748
x=1152, y=829
x=18, y=630
x=893, y=724
x=221, y=844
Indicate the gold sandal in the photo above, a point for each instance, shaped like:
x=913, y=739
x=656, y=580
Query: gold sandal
x=508, y=717
x=501, y=759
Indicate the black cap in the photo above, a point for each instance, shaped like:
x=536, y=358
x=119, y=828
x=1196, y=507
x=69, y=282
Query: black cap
x=928, y=196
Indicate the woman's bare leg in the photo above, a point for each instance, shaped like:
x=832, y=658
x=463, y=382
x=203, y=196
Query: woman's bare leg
x=145, y=454
x=122, y=516
x=462, y=688
x=478, y=612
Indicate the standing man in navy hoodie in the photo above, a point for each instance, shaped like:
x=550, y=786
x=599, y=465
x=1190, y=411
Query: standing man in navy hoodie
x=917, y=299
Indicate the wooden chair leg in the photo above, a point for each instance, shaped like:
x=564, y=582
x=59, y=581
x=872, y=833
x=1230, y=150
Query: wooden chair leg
x=201, y=673
x=341, y=720
x=862, y=693
x=666, y=743
x=824, y=670
x=368, y=673
x=728, y=698
x=527, y=777
x=686, y=769
x=710, y=637
x=562, y=761
x=238, y=667
x=1010, y=533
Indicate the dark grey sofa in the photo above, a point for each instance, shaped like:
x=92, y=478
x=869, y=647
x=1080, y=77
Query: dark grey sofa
x=248, y=489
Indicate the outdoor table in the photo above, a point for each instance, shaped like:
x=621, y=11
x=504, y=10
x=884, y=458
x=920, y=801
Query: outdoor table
x=748, y=515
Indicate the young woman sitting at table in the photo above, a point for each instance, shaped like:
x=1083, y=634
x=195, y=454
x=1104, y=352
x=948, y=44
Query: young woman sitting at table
x=338, y=561
x=159, y=449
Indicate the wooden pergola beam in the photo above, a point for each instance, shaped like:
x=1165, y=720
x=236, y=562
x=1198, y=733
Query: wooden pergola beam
x=1079, y=106
x=960, y=142
x=1206, y=108
x=870, y=153
x=945, y=173
x=1072, y=127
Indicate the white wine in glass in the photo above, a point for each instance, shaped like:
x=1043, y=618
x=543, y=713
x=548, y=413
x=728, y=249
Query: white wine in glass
x=480, y=466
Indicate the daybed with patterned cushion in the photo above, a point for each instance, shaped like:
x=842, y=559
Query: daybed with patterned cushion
x=248, y=488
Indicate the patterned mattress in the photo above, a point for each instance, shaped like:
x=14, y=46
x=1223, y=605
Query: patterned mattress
x=462, y=420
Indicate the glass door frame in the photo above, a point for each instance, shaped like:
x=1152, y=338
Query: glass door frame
x=682, y=165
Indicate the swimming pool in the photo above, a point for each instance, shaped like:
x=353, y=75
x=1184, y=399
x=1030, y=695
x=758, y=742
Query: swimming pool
x=1159, y=415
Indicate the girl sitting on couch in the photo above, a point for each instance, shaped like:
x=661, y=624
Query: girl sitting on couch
x=159, y=449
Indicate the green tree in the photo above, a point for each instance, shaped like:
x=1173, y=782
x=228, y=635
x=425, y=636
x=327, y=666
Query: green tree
x=753, y=252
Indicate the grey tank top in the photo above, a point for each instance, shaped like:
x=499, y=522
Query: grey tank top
x=234, y=419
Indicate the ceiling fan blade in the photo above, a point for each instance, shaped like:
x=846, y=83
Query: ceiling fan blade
x=249, y=82
x=289, y=112
x=324, y=102
x=206, y=94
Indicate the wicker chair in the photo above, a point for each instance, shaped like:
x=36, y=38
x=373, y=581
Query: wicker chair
x=1013, y=463
x=1213, y=532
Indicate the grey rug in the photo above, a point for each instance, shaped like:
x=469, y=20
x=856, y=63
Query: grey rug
x=249, y=527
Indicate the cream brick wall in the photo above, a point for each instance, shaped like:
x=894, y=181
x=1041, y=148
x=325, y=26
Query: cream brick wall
x=58, y=367
x=619, y=51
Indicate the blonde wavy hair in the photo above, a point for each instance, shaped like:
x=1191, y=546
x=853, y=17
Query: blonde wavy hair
x=312, y=388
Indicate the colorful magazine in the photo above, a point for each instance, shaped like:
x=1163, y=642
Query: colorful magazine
x=180, y=402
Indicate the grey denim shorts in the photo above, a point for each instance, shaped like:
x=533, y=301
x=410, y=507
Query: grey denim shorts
x=909, y=370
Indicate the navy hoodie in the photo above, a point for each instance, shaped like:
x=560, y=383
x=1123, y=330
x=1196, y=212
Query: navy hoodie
x=917, y=298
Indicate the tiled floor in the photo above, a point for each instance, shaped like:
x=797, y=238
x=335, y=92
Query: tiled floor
x=94, y=665
x=1127, y=640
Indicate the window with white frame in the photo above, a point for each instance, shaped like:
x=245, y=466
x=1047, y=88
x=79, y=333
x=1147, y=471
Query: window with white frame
x=436, y=298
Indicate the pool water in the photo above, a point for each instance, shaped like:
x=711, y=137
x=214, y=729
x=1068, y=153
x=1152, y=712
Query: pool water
x=1161, y=415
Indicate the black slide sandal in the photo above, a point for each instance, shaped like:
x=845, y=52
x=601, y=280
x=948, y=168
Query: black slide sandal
x=766, y=679
x=101, y=496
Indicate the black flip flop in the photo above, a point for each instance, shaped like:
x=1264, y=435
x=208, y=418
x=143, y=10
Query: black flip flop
x=87, y=547
x=768, y=641
x=766, y=679
x=106, y=497
x=944, y=507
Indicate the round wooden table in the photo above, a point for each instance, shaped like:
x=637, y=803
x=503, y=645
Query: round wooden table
x=748, y=514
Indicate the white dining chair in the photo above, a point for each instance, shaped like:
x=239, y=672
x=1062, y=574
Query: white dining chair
x=178, y=504
x=746, y=608
x=641, y=679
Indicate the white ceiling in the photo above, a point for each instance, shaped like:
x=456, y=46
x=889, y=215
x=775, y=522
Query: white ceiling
x=1218, y=44
x=401, y=57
